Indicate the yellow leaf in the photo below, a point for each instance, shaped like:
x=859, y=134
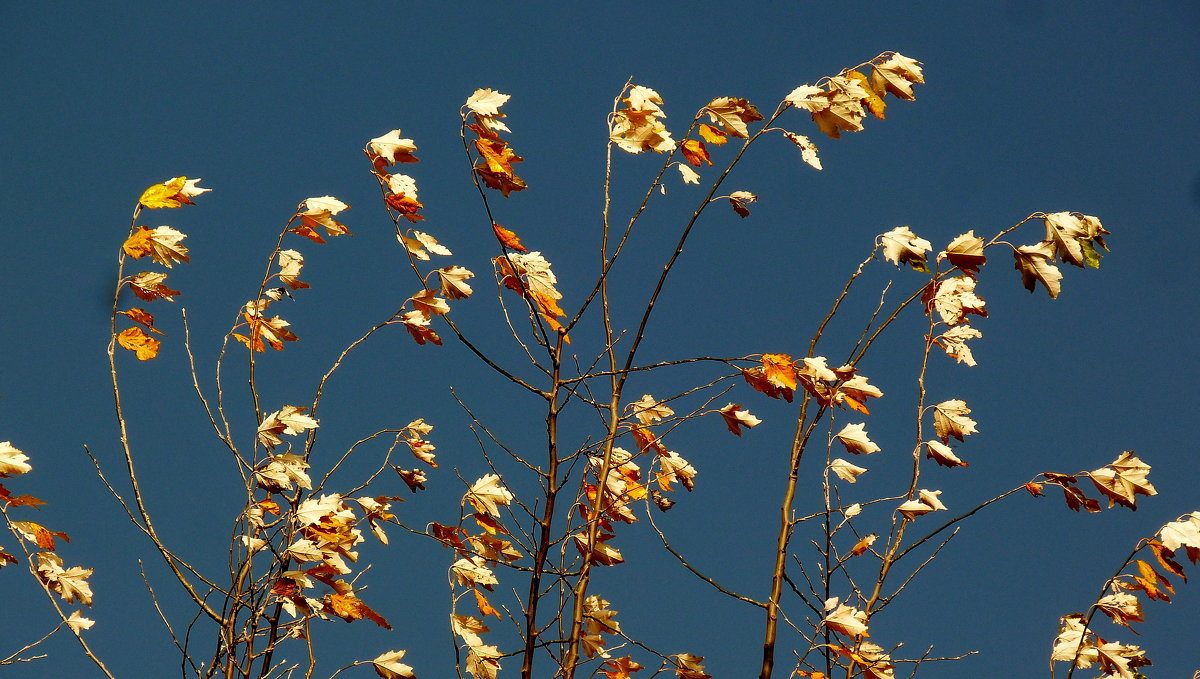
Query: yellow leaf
x=712, y=135
x=875, y=103
x=137, y=341
x=172, y=193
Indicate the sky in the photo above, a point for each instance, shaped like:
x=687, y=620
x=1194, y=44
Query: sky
x=1028, y=106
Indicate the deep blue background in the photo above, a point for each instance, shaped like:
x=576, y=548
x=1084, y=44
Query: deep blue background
x=1029, y=106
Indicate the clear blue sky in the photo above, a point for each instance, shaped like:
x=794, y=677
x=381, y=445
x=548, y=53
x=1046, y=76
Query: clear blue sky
x=1028, y=106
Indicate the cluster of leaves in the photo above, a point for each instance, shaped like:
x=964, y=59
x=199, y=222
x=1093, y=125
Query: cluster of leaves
x=299, y=545
x=164, y=246
x=70, y=584
x=1077, y=643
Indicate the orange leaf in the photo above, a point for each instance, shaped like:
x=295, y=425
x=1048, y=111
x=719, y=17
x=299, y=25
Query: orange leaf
x=864, y=544
x=757, y=379
x=1035, y=489
x=492, y=526
x=350, y=608
x=621, y=668
x=507, y=238
x=137, y=341
x=485, y=608
x=138, y=244
x=149, y=286
x=647, y=440
x=307, y=231
x=779, y=370
x=172, y=193
x=712, y=135
x=875, y=103
x=1164, y=557
x=269, y=506
x=448, y=535
x=405, y=206
x=141, y=316
x=695, y=152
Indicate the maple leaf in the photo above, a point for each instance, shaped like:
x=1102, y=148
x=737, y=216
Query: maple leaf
x=287, y=420
x=675, y=468
x=486, y=493
x=598, y=620
x=1073, y=238
x=779, y=370
x=808, y=150
x=732, y=115
x=69, y=583
x=756, y=377
x=320, y=212
x=487, y=102
x=1075, y=498
x=78, y=623
x=638, y=127
x=13, y=462
x=713, y=135
x=1035, y=262
x=736, y=418
x=391, y=149
x=174, y=192
x=688, y=174
x=950, y=419
x=648, y=411
x=841, y=108
x=420, y=243
x=141, y=316
x=601, y=552
x=864, y=544
x=414, y=478
x=687, y=666
x=507, y=238
x=281, y=471
x=901, y=245
x=149, y=286
x=389, y=666
x=471, y=571
x=1184, y=532
x=925, y=502
x=965, y=252
x=350, y=608
x=954, y=341
x=845, y=470
x=483, y=662
x=854, y=437
x=695, y=152
x=38, y=534
x=429, y=304
x=807, y=97
x=403, y=196
x=739, y=200
x=162, y=244
x=493, y=549
x=1074, y=643
x=942, y=454
x=453, y=282
x=135, y=340
x=418, y=325
x=953, y=298
x=845, y=619
x=1123, y=480
x=874, y=99
x=855, y=391
x=897, y=75
x=621, y=668
x=1122, y=608
x=273, y=330
x=290, y=262
x=468, y=628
